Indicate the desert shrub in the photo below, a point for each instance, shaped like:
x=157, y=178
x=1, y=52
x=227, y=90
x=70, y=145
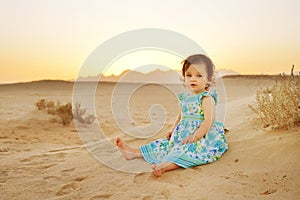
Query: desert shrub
x=279, y=106
x=41, y=104
x=50, y=107
x=79, y=112
x=50, y=104
x=64, y=113
x=81, y=115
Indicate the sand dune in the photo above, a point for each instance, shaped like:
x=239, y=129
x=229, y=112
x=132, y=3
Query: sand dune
x=45, y=160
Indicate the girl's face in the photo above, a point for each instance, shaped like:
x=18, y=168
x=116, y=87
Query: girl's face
x=196, y=78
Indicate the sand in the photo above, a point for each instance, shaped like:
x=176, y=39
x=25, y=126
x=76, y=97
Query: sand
x=40, y=159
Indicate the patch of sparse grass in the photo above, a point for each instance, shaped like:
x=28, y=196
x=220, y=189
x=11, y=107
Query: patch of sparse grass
x=279, y=106
x=64, y=114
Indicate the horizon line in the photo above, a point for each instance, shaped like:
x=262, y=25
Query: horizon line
x=91, y=81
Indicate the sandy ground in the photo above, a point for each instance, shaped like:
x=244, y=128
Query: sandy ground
x=40, y=159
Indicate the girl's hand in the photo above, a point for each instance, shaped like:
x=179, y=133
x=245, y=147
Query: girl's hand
x=169, y=134
x=189, y=139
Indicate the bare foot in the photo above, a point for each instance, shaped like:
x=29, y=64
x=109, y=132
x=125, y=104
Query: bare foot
x=157, y=170
x=128, y=152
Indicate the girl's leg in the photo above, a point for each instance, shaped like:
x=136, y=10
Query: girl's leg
x=158, y=170
x=128, y=152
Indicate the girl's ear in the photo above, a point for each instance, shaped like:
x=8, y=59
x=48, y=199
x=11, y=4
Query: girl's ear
x=208, y=83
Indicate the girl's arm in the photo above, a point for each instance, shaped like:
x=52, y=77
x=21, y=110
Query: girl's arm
x=208, y=106
x=174, y=126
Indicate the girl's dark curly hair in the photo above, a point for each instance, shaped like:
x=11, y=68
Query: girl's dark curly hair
x=197, y=59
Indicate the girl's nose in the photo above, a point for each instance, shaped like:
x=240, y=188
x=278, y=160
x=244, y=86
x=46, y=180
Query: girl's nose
x=193, y=77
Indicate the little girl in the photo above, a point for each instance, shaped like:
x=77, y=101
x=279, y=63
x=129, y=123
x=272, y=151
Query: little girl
x=196, y=138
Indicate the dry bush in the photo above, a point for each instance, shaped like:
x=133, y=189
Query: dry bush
x=81, y=115
x=50, y=107
x=41, y=104
x=63, y=113
x=279, y=106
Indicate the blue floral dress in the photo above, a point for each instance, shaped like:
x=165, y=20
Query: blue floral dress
x=206, y=150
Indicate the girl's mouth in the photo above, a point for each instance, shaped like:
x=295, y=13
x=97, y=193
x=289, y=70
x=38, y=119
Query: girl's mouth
x=193, y=85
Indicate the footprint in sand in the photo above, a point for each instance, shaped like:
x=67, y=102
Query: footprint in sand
x=269, y=191
x=148, y=197
x=46, y=166
x=80, y=178
x=67, y=189
x=70, y=187
x=101, y=196
x=55, y=178
x=67, y=172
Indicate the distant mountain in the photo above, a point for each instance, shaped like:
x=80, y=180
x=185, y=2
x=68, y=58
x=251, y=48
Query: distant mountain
x=129, y=76
x=156, y=76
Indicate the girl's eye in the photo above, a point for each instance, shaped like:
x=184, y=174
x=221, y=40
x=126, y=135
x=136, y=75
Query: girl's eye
x=199, y=75
x=188, y=75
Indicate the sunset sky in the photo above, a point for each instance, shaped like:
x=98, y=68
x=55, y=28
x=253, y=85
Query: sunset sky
x=51, y=39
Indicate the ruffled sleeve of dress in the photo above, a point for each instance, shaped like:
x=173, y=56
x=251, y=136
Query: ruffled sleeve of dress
x=212, y=92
